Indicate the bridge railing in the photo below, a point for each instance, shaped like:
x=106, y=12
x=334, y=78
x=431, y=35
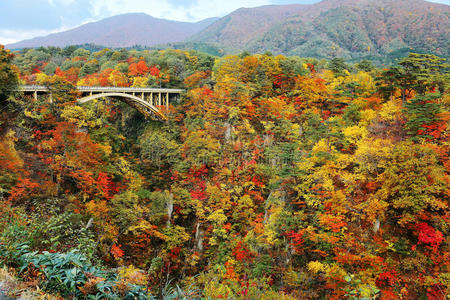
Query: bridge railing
x=32, y=88
x=42, y=88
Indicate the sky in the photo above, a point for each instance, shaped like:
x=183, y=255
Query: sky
x=23, y=19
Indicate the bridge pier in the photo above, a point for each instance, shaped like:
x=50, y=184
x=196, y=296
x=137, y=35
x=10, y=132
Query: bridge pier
x=167, y=101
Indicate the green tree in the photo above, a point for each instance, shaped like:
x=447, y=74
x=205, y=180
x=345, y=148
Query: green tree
x=89, y=68
x=9, y=81
x=389, y=81
x=338, y=66
x=365, y=65
x=81, y=53
x=50, y=68
x=417, y=72
x=424, y=71
x=422, y=114
x=8, y=75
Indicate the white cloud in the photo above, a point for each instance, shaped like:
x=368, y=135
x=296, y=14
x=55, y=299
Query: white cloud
x=440, y=1
x=57, y=2
x=197, y=11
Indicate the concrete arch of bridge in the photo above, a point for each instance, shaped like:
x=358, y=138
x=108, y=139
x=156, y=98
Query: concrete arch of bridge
x=135, y=99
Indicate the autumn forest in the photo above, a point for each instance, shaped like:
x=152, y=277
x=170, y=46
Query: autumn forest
x=274, y=177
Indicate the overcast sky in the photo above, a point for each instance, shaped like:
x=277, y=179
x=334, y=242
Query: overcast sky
x=23, y=19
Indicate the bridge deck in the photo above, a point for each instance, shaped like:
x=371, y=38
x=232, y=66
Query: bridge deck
x=104, y=89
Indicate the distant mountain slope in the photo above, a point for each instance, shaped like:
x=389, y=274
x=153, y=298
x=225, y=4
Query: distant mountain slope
x=346, y=28
x=242, y=25
x=121, y=31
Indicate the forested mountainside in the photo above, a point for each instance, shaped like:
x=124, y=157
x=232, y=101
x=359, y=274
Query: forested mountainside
x=275, y=178
x=335, y=28
x=125, y=30
x=381, y=31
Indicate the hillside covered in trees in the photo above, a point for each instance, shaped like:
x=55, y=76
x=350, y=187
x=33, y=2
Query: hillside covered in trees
x=275, y=177
x=353, y=29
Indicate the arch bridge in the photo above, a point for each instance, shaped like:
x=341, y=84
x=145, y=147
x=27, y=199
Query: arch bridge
x=149, y=101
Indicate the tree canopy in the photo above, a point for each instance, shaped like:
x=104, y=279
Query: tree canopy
x=274, y=178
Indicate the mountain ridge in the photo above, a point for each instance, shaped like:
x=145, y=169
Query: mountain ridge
x=123, y=30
